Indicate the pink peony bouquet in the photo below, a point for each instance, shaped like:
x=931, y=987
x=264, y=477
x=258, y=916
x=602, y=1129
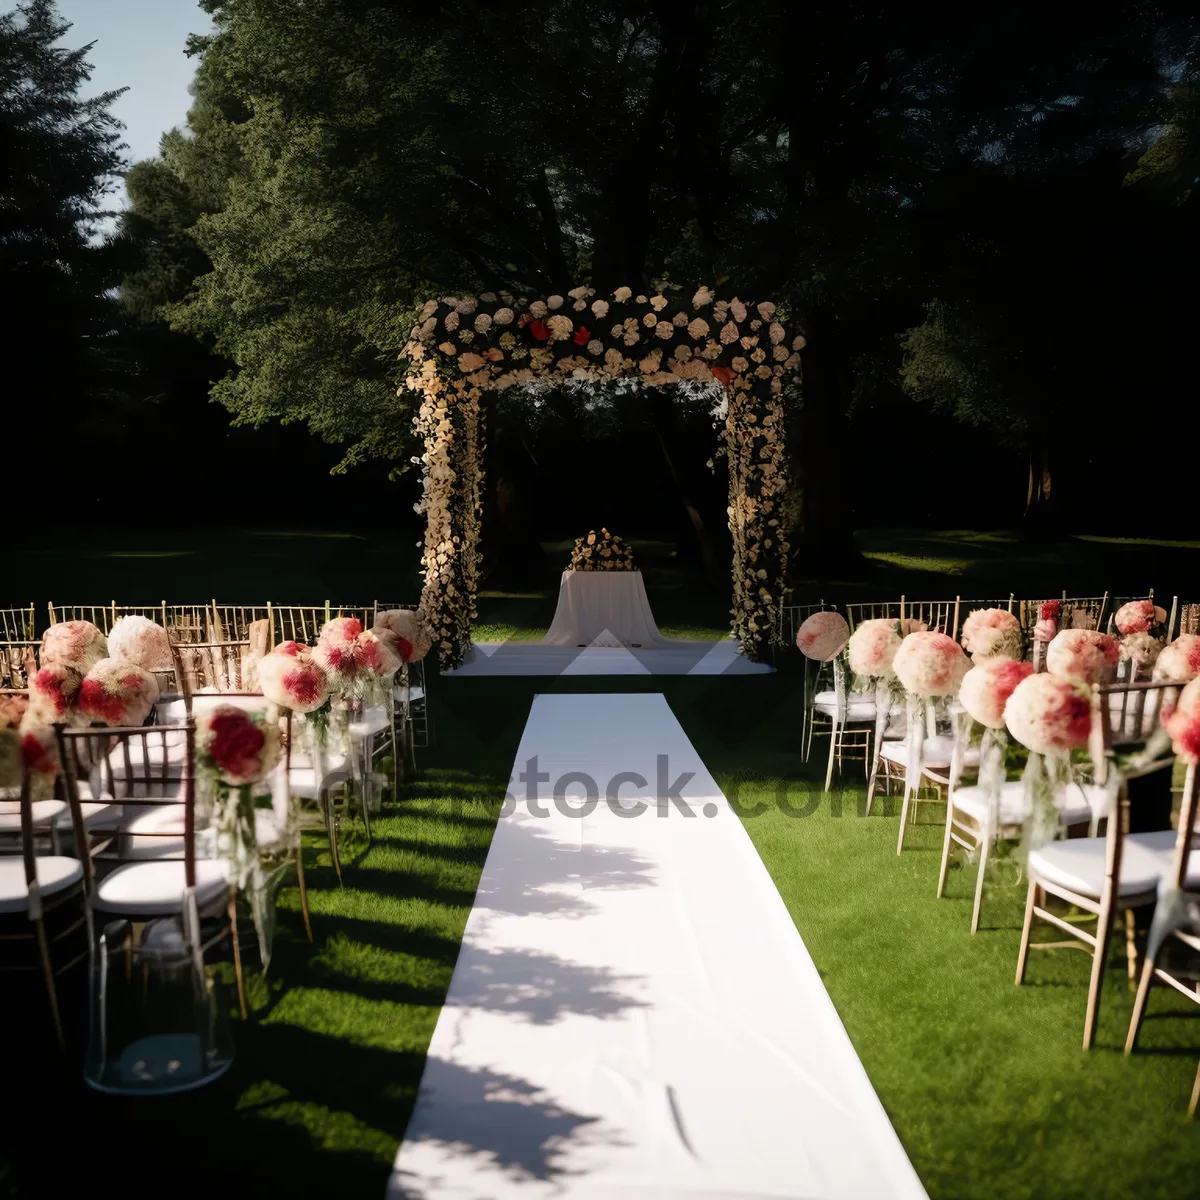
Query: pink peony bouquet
x=406, y=631
x=140, y=641
x=53, y=693
x=350, y=655
x=987, y=686
x=238, y=746
x=1141, y=649
x=930, y=665
x=291, y=678
x=1083, y=654
x=1049, y=616
x=77, y=644
x=1182, y=723
x=114, y=692
x=992, y=633
x=872, y=649
x=1180, y=660
x=822, y=636
x=1049, y=714
x=1138, y=616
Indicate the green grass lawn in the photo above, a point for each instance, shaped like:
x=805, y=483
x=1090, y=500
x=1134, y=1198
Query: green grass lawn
x=985, y=1082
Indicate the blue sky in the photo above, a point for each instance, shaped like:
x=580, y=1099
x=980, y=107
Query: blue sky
x=139, y=45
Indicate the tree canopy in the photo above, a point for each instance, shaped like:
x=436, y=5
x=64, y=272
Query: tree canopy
x=853, y=163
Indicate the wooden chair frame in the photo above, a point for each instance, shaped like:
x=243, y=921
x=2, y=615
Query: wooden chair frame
x=1105, y=907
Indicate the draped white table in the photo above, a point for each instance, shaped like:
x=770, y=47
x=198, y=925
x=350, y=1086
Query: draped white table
x=603, y=608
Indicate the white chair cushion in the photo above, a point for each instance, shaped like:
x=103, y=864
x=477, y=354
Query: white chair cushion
x=375, y=720
x=158, y=832
x=151, y=761
x=95, y=816
x=1072, y=804
x=1077, y=864
x=935, y=753
x=148, y=889
x=414, y=694
x=43, y=812
x=860, y=706
x=54, y=874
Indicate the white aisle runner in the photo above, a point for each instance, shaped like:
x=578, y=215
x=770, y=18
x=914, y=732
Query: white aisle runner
x=633, y=1014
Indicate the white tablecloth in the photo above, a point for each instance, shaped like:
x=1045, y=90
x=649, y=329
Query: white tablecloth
x=603, y=608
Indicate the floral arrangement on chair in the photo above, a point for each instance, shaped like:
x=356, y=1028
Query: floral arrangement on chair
x=1139, y=616
x=601, y=551
x=1049, y=616
x=115, y=692
x=1083, y=654
x=1182, y=723
x=78, y=644
x=992, y=633
x=1180, y=660
x=406, y=631
x=140, y=641
x=823, y=636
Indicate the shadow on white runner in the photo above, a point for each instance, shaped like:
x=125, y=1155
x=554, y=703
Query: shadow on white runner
x=633, y=1013
x=668, y=657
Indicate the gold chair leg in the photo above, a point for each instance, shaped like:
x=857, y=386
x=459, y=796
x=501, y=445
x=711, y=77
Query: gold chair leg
x=1139, y=1004
x=1131, y=947
x=946, y=843
x=833, y=747
x=984, y=850
x=1195, y=1100
x=51, y=987
x=237, y=953
x=904, y=815
x=1026, y=929
x=1099, y=956
x=331, y=828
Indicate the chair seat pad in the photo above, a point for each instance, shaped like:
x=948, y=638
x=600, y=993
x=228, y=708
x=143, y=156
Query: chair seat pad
x=374, y=720
x=1077, y=864
x=1072, y=804
x=54, y=874
x=43, y=813
x=160, y=750
x=95, y=816
x=860, y=706
x=155, y=888
x=414, y=694
x=935, y=753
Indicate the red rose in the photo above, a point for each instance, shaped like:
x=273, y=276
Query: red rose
x=722, y=374
x=405, y=647
x=539, y=330
x=236, y=744
x=96, y=701
x=582, y=336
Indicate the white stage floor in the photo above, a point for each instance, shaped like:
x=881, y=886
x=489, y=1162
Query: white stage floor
x=633, y=1013
x=672, y=658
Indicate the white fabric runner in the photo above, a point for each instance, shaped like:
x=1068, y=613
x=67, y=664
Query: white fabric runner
x=633, y=1013
x=603, y=608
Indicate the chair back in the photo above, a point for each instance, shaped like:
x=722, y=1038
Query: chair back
x=1187, y=619
x=146, y=767
x=18, y=624
x=18, y=662
x=100, y=615
x=231, y=622
x=880, y=610
x=1125, y=715
x=1083, y=612
x=226, y=666
x=938, y=616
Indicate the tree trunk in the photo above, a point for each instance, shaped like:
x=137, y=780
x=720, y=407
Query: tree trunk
x=1041, y=514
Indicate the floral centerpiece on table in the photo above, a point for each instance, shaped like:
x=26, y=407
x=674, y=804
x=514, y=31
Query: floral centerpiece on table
x=601, y=551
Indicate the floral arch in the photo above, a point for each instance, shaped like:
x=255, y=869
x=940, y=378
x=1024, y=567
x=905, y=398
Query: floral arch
x=462, y=347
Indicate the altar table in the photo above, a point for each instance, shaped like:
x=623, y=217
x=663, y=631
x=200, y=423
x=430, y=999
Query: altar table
x=603, y=608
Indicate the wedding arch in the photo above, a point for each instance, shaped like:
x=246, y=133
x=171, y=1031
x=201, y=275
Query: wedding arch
x=462, y=347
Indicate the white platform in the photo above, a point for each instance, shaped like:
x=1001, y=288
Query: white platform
x=633, y=1014
x=667, y=658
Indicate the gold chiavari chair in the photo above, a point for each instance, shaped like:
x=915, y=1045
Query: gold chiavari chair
x=18, y=663
x=43, y=907
x=18, y=624
x=188, y=622
x=1117, y=872
x=149, y=770
x=100, y=615
x=231, y=622
x=1184, y=876
x=1083, y=612
x=299, y=622
x=879, y=610
x=1186, y=619
x=938, y=616
x=1115, y=603
x=417, y=694
x=972, y=824
x=791, y=617
x=223, y=666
